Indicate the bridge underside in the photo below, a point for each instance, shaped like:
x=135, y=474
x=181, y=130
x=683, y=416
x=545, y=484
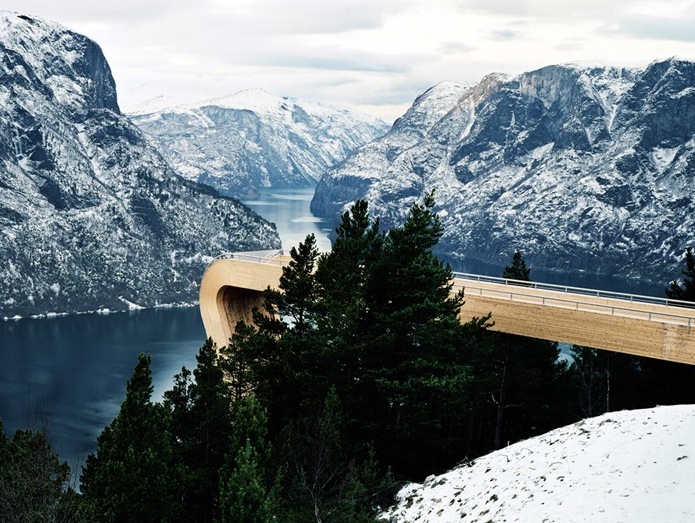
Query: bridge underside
x=232, y=287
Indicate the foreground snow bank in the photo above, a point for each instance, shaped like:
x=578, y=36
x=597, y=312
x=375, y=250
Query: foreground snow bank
x=622, y=466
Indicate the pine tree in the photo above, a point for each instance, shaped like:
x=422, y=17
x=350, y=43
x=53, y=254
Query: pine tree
x=32, y=478
x=330, y=480
x=244, y=498
x=245, y=491
x=342, y=276
x=200, y=414
x=518, y=270
x=415, y=348
x=132, y=475
x=684, y=290
x=298, y=284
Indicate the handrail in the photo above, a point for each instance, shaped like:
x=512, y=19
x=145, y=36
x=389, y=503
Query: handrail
x=577, y=290
x=269, y=256
x=552, y=301
x=515, y=290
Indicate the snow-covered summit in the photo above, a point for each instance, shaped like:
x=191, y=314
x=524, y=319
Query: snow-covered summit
x=623, y=466
x=252, y=139
x=588, y=170
x=91, y=215
x=69, y=65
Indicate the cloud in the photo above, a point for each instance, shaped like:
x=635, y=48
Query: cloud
x=504, y=35
x=122, y=11
x=455, y=48
x=369, y=52
x=657, y=28
x=319, y=16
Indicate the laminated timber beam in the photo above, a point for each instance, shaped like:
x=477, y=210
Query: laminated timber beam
x=636, y=325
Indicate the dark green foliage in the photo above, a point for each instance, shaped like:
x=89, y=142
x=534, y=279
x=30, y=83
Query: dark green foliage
x=32, y=480
x=327, y=478
x=132, y=475
x=518, y=270
x=243, y=498
x=200, y=421
x=356, y=370
x=375, y=321
x=685, y=289
x=416, y=351
x=245, y=491
x=300, y=292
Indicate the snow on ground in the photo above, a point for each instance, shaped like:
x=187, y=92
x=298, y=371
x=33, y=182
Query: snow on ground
x=628, y=466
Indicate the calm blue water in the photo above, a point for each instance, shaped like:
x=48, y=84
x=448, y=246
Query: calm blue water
x=67, y=375
x=289, y=210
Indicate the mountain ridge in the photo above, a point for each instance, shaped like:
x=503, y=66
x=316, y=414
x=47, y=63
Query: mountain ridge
x=253, y=139
x=92, y=217
x=585, y=169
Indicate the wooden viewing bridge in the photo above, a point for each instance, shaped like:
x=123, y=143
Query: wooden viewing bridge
x=640, y=325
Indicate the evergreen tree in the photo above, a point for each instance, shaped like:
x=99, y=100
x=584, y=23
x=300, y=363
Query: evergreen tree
x=518, y=270
x=684, y=290
x=200, y=414
x=245, y=491
x=244, y=498
x=32, y=480
x=415, y=349
x=288, y=352
x=132, y=476
x=342, y=276
x=330, y=479
x=375, y=321
x=298, y=283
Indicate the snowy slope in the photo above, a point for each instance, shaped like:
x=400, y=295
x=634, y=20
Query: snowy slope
x=91, y=215
x=252, y=139
x=629, y=466
x=586, y=169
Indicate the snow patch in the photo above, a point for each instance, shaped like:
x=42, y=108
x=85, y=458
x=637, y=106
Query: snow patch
x=622, y=466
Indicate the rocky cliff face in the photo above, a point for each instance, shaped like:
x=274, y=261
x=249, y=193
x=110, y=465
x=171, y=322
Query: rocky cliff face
x=253, y=139
x=586, y=170
x=91, y=216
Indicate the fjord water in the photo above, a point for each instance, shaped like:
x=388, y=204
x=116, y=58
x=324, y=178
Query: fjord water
x=289, y=210
x=67, y=375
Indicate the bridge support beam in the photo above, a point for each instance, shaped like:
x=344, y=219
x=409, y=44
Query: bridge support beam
x=660, y=337
x=231, y=288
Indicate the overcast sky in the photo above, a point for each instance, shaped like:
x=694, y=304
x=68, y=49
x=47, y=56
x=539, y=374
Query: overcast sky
x=373, y=55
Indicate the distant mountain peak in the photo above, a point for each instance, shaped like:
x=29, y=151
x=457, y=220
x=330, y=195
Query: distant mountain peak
x=252, y=139
x=585, y=169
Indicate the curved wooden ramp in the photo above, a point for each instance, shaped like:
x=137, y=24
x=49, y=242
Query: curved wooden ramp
x=638, y=325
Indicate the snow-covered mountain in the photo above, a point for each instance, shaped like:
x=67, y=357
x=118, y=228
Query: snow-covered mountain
x=253, y=139
x=622, y=466
x=585, y=169
x=91, y=215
